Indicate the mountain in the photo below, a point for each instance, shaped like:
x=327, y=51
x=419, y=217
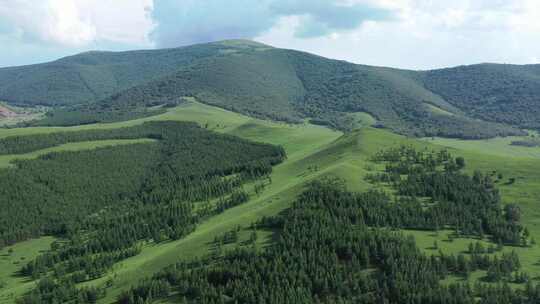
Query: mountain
x=494, y=92
x=91, y=76
x=478, y=101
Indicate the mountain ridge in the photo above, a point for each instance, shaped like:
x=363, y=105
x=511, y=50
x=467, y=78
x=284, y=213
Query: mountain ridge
x=474, y=101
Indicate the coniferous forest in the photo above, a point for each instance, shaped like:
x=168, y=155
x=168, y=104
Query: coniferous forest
x=105, y=203
x=336, y=246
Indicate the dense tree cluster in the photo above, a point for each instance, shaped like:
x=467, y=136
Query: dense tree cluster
x=326, y=252
x=185, y=163
x=394, y=97
x=493, y=92
x=469, y=204
x=105, y=202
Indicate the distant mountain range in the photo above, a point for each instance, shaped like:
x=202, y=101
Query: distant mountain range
x=476, y=101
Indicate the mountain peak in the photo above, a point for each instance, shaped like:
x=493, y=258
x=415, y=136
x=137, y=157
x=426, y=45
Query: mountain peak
x=244, y=43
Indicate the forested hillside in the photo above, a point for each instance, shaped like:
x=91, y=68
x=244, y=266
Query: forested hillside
x=106, y=202
x=479, y=101
x=191, y=216
x=334, y=246
x=494, y=92
x=91, y=76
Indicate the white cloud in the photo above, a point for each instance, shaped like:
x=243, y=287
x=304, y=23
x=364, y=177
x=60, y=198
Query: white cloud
x=65, y=25
x=420, y=34
x=77, y=23
x=125, y=21
x=430, y=34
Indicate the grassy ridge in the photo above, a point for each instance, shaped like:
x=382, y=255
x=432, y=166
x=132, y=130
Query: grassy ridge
x=299, y=140
x=313, y=152
x=346, y=156
x=192, y=111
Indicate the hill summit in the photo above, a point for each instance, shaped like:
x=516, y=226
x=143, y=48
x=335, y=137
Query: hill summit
x=477, y=101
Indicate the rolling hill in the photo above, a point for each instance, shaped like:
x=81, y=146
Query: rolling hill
x=479, y=101
x=313, y=153
x=253, y=174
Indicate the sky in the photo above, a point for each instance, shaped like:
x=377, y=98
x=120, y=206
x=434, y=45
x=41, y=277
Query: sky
x=411, y=34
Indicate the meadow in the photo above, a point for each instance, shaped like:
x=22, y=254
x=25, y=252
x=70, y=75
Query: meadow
x=12, y=258
x=312, y=152
x=6, y=160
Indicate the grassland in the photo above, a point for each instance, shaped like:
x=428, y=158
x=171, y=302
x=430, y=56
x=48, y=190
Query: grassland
x=11, y=260
x=315, y=151
x=6, y=160
x=216, y=118
x=298, y=140
x=499, y=146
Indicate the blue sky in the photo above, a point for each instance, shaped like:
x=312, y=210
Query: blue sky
x=416, y=34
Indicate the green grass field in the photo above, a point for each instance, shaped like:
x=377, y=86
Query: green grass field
x=12, y=258
x=496, y=147
x=6, y=160
x=192, y=111
x=315, y=151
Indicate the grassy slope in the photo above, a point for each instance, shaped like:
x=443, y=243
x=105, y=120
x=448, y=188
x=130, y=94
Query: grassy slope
x=221, y=120
x=496, y=146
x=299, y=141
x=313, y=152
x=5, y=160
x=11, y=260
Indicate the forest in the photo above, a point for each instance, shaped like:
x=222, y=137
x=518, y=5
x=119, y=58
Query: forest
x=105, y=203
x=278, y=84
x=493, y=92
x=336, y=246
x=471, y=205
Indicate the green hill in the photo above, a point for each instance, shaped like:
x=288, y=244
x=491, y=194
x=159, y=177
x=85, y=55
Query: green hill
x=91, y=76
x=494, y=92
x=313, y=152
x=250, y=78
